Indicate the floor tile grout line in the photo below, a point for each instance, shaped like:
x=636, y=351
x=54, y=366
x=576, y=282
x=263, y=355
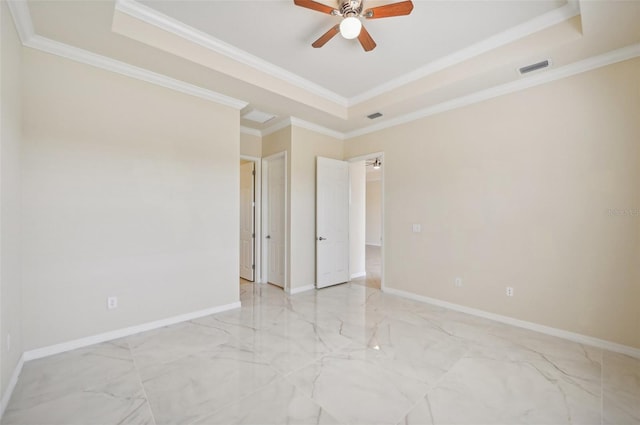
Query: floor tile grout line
x=436, y=382
x=308, y=397
x=144, y=390
x=601, y=387
x=238, y=400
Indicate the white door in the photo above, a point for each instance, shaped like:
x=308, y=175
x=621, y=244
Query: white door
x=247, y=220
x=332, y=222
x=275, y=220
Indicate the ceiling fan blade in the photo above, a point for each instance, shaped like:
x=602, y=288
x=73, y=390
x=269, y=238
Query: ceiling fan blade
x=365, y=39
x=326, y=37
x=314, y=5
x=389, y=10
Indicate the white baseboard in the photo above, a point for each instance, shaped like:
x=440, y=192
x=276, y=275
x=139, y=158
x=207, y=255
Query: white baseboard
x=120, y=333
x=373, y=244
x=571, y=336
x=357, y=275
x=306, y=288
x=11, y=386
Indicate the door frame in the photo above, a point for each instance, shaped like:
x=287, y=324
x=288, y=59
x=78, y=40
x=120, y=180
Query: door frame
x=264, y=271
x=257, y=213
x=382, y=207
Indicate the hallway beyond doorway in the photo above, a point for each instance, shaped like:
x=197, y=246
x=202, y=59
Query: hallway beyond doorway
x=373, y=263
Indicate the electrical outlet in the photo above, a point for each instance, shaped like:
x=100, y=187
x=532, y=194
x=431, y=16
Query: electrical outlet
x=509, y=291
x=112, y=303
x=458, y=282
x=417, y=228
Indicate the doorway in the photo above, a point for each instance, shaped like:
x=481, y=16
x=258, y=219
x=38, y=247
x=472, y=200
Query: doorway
x=367, y=223
x=249, y=223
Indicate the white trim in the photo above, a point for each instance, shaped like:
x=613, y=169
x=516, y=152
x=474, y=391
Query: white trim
x=166, y=23
x=300, y=289
x=250, y=131
x=22, y=18
x=575, y=68
x=298, y=122
x=548, y=330
x=317, y=128
x=539, y=23
x=83, y=56
x=358, y=274
x=276, y=127
x=6, y=397
x=121, y=333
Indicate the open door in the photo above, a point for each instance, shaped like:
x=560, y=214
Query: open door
x=247, y=221
x=274, y=216
x=332, y=222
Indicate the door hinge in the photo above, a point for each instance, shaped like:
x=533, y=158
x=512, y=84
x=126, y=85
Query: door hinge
x=253, y=267
x=253, y=172
x=253, y=235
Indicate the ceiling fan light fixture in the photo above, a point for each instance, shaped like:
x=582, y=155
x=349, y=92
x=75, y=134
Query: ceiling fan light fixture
x=350, y=27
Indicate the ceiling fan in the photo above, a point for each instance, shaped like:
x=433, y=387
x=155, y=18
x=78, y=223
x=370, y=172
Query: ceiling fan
x=375, y=163
x=351, y=11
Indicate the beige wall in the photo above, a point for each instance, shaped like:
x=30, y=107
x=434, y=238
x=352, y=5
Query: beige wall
x=516, y=191
x=250, y=145
x=129, y=190
x=357, y=218
x=10, y=221
x=306, y=145
x=374, y=212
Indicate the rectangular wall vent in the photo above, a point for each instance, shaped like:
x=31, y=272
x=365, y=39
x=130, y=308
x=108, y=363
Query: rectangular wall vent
x=534, y=67
x=374, y=116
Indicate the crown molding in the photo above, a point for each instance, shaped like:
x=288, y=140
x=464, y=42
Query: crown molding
x=83, y=56
x=22, y=19
x=276, y=127
x=317, y=128
x=540, y=23
x=24, y=25
x=609, y=58
x=293, y=121
x=166, y=23
x=250, y=131
x=155, y=18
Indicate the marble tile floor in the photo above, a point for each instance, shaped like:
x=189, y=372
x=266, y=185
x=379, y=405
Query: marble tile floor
x=348, y=354
x=373, y=268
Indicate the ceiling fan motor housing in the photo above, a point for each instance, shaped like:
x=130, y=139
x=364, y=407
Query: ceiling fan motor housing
x=351, y=8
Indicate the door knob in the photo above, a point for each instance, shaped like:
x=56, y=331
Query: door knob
x=322, y=239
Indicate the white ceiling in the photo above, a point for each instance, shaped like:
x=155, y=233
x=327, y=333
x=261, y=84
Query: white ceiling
x=281, y=33
x=446, y=54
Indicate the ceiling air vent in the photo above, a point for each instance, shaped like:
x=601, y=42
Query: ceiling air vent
x=374, y=116
x=534, y=67
x=258, y=116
